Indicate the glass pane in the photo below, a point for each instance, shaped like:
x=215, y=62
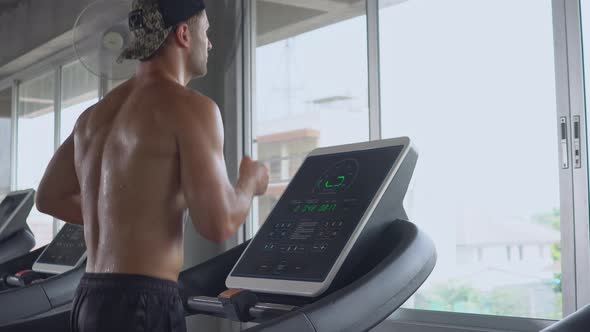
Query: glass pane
x=5, y=140
x=36, y=144
x=79, y=89
x=309, y=92
x=479, y=104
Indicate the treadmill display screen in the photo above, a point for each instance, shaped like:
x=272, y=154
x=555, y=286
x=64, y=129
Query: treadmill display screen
x=9, y=205
x=67, y=248
x=315, y=217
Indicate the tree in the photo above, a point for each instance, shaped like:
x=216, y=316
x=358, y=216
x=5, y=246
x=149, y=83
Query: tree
x=458, y=296
x=552, y=219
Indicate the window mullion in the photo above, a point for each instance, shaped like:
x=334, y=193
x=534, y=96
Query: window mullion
x=14, y=136
x=103, y=87
x=374, y=69
x=249, y=35
x=57, y=109
x=57, y=126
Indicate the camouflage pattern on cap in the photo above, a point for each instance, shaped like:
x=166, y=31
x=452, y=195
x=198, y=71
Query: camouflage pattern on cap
x=148, y=31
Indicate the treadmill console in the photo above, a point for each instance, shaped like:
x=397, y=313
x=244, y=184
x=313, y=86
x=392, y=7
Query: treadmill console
x=317, y=215
x=65, y=252
x=9, y=205
x=14, y=209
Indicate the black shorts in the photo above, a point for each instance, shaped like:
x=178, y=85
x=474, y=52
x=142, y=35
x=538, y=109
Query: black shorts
x=122, y=302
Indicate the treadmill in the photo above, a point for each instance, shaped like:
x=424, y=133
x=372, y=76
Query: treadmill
x=16, y=238
x=361, y=257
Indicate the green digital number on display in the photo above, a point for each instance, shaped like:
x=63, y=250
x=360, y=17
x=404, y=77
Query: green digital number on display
x=335, y=185
x=310, y=208
x=327, y=207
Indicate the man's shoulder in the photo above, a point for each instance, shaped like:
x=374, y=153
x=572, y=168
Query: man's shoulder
x=192, y=107
x=193, y=101
x=84, y=118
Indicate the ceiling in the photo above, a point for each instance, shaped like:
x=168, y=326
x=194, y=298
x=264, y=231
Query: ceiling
x=281, y=19
x=8, y=4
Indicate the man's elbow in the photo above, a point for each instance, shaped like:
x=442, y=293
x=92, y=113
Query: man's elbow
x=218, y=232
x=220, y=235
x=42, y=202
x=46, y=202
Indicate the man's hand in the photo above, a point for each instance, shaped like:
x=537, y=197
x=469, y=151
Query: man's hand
x=255, y=171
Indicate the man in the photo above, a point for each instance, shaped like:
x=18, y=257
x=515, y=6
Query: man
x=133, y=164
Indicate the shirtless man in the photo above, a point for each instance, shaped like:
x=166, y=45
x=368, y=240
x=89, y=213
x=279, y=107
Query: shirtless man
x=134, y=163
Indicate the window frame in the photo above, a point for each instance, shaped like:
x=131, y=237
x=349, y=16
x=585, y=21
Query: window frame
x=574, y=199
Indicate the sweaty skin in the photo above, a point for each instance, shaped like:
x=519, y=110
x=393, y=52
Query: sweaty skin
x=138, y=159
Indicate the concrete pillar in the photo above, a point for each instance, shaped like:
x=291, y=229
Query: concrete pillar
x=223, y=84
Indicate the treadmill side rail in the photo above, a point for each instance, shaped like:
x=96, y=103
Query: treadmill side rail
x=259, y=312
x=16, y=245
x=23, y=303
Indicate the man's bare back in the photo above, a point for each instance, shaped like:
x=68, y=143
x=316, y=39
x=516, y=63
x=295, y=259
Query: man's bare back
x=127, y=160
x=143, y=155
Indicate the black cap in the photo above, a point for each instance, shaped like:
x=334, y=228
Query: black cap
x=150, y=22
x=176, y=11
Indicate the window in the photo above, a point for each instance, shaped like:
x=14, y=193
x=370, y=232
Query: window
x=309, y=92
x=5, y=140
x=465, y=79
x=36, y=144
x=79, y=90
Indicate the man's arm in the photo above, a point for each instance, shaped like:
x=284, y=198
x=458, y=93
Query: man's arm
x=58, y=194
x=216, y=207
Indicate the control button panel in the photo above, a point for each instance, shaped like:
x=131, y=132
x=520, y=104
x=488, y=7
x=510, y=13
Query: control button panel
x=282, y=267
x=302, y=237
x=270, y=246
x=67, y=248
x=264, y=268
x=319, y=247
x=312, y=222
